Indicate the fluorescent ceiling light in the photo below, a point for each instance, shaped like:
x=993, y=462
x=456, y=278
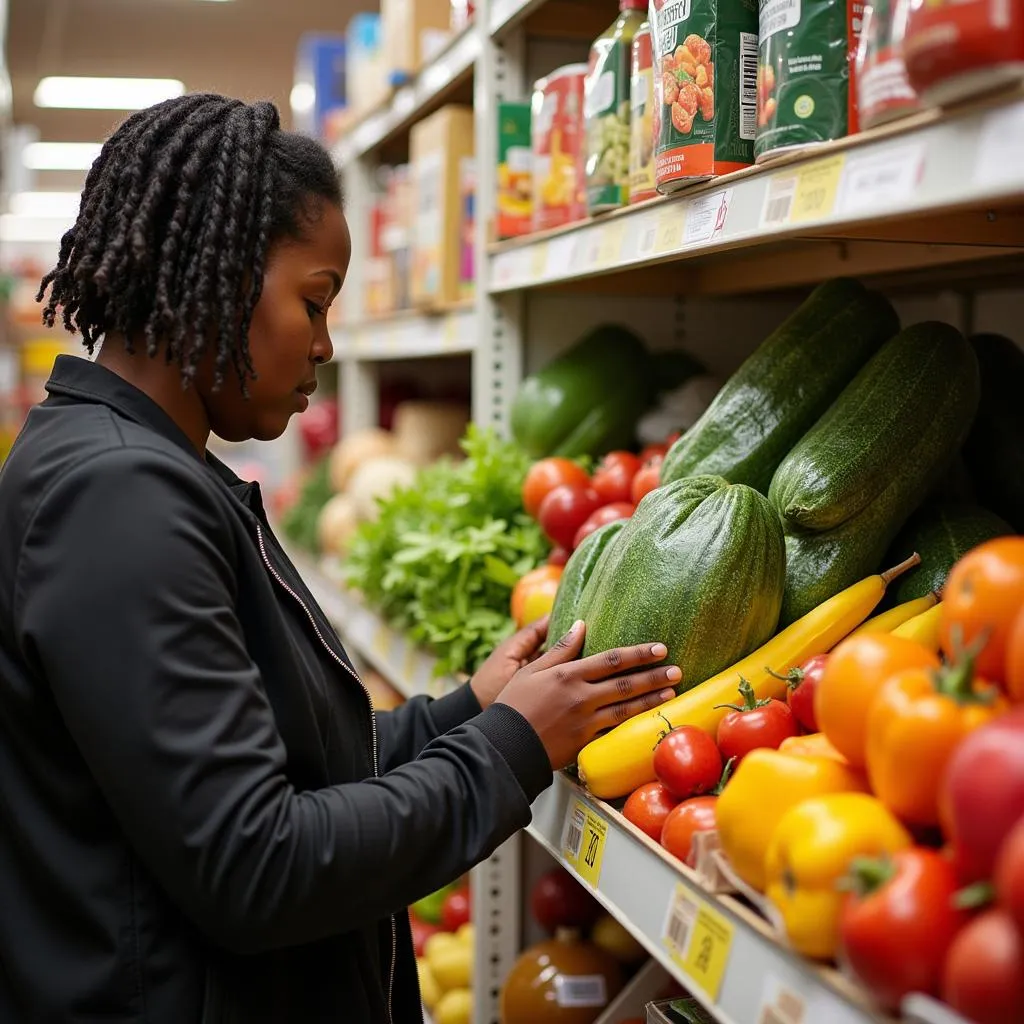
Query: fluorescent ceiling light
x=303, y=98
x=60, y=156
x=45, y=204
x=106, y=93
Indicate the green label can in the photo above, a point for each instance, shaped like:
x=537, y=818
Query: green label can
x=805, y=58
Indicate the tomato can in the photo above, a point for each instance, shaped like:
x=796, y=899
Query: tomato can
x=884, y=92
x=558, y=144
x=705, y=100
x=641, y=123
x=954, y=50
x=807, y=52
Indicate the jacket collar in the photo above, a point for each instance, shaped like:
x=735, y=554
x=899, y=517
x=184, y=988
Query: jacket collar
x=84, y=381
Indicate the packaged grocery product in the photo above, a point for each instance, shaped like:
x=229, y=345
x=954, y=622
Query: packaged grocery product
x=467, y=225
x=606, y=110
x=641, y=117
x=883, y=91
x=320, y=83
x=396, y=235
x=515, y=171
x=958, y=49
x=414, y=32
x=438, y=145
x=462, y=14
x=378, y=296
x=805, y=60
x=705, y=101
x=365, y=75
x=558, y=144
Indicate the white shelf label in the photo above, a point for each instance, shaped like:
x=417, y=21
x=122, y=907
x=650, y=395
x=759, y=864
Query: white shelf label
x=581, y=990
x=871, y=180
x=1000, y=159
x=781, y=1005
x=705, y=217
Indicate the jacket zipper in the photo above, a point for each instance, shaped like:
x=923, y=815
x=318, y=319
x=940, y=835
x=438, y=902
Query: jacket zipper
x=373, y=718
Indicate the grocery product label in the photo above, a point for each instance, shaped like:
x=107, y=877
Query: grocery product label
x=883, y=88
x=705, y=217
x=872, y=180
x=515, y=171
x=583, y=839
x=699, y=939
x=429, y=223
x=705, y=70
x=641, y=124
x=803, y=72
x=558, y=148
x=581, y=990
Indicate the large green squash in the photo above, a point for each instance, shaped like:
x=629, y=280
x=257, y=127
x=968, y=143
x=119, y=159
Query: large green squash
x=589, y=399
x=700, y=567
x=578, y=571
x=776, y=396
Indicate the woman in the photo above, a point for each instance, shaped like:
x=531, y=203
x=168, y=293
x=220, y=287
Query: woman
x=200, y=817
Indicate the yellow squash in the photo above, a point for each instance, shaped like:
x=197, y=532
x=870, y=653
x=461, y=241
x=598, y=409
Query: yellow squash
x=810, y=853
x=923, y=629
x=766, y=785
x=895, y=617
x=613, y=765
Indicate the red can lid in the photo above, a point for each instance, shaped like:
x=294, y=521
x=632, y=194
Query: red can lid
x=632, y=5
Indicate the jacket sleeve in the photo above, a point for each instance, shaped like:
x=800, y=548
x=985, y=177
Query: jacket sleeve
x=125, y=601
x=404, y=732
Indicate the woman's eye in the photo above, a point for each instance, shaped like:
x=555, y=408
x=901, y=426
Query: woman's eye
x=314, y=310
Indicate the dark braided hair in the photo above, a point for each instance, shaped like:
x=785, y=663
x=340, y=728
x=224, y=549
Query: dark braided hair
x=177, y=215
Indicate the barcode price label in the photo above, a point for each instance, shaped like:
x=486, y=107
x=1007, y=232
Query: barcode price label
x=671, y=222
x=816, y=189
x=613, y=237
x=699, y=939
x=778, y=200
x=748, y=85
x=583, y=839
x=781, y=1005
x=648, y=235
x=871, y=180
x=581, y=990
x=539, y=260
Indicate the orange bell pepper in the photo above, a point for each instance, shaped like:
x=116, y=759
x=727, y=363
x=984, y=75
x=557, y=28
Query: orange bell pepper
x=915, y=722
x=815, y=744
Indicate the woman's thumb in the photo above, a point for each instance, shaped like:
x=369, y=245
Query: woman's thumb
x=566, y=648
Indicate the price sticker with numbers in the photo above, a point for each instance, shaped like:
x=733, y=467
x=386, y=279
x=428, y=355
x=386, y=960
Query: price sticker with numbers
x=872, y=180
x=817, y=185
x=669, y=233
x=583, y=841
x=699, y=939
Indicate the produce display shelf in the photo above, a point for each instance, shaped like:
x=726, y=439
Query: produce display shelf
x=407, y=336
x=451, y=67
x=407, y=668
x=963, y=169
x=713, y=945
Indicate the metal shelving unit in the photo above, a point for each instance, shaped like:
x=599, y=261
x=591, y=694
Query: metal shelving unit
x=930, y=209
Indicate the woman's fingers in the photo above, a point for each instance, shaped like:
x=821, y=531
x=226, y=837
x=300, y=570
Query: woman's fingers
x=615, y=714
x=624, y=688
x=618, y=661
x=567, y=648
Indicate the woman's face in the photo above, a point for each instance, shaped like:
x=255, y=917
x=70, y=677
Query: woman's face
x=288, y=337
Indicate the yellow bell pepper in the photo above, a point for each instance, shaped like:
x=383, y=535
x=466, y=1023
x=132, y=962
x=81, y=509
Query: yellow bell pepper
x=766, y=785
x=815, y=744
x=810, y=853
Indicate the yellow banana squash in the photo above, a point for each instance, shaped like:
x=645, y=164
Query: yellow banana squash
x=888, y=621
x=923, y=628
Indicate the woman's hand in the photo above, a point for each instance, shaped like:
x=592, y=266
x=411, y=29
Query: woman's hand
x=568, y=702
x=506, y=660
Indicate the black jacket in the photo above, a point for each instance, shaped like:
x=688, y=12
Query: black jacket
x=190, y=824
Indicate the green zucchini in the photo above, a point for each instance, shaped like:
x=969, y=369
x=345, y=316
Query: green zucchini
x=941, y=534
x=577, y=572
x=782, y=389
x=995, y=448
x=701, y=568
x=913, y=401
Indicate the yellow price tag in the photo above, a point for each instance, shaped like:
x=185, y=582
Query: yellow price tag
x=699, y=939
x=669, y=233
x=583, y=841
x=449, y=332
x=816, y=188
x=613, y=237
x=539, y=260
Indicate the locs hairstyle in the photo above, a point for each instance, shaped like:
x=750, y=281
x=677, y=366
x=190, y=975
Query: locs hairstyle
x=176, y=219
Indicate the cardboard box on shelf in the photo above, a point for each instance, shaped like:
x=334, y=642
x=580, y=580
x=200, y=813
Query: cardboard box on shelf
x=319, y=97
x=365, y=74
x=438, y=145
x=397, y=234
x=414, y=32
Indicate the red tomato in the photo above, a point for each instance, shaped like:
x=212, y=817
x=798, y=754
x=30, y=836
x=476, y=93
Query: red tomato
x=565, y=510
x=602, y=517
x=687, y=762
x=899, y=922
x=613, y=478
x=653, y=451
x=558, y=557
x=684, y=821
x=647, y=479
x=1010, y=875
x=981, y=599
x=981, y=794
x=803, y=682
x=1014, y=673
x=648, y=806
x=754, y=723
x=984, y=975
x=545, y=476
x=456, y=909
x=559, y=901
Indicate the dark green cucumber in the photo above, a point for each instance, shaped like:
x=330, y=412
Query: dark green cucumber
x=782, y=389
x=995, y=448
x=577, y=573
x=915, y=398
x=941, y=534
x=702, y=573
